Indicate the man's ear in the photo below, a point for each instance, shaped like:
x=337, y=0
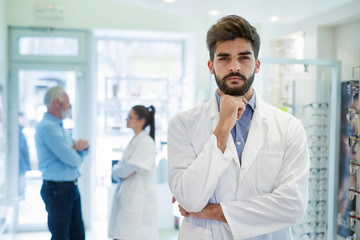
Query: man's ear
x=211, y=66
x=56, y=102
x=257, y=67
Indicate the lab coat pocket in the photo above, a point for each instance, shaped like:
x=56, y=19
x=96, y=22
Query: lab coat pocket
x=191, y=231
x=268, y=167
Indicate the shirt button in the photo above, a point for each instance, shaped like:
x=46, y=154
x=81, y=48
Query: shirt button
x=238, y=143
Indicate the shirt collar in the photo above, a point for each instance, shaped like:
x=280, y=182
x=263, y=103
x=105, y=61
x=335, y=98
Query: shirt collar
x=250, y=103
x=53, y=118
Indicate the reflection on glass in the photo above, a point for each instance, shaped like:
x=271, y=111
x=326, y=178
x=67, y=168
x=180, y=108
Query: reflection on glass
x=2, y=139
x=130, y=72
x=33, y=85
x=49, y=46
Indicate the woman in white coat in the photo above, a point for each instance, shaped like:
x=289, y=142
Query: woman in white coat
x=133, y=214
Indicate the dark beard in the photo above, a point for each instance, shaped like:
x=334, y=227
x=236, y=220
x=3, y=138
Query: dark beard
x=234, y=90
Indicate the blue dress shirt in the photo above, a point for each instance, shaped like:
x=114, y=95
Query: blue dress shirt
x=58, y=160
x=241, y=129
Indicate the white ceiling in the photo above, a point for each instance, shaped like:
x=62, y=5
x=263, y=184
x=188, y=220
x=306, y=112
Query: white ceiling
x=289, y=11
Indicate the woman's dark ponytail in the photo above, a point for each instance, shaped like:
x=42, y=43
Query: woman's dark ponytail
x=151, y=110
x=149, y=115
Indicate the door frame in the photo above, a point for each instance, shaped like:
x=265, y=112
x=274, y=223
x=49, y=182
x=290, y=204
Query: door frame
x=85, y=113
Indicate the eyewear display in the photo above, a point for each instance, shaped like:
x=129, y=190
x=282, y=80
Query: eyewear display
x=353, y=139
x=352, y=87
x=352, y=193
x=353, y=166
x=351, y=113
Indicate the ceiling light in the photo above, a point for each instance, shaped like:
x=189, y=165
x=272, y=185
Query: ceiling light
x=274, y=18
x=169, y=1
x=213, y=12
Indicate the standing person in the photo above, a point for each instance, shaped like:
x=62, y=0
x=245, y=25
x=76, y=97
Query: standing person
x=133, y=214
x=238, y=167
x=24, y=160
x=59, y=159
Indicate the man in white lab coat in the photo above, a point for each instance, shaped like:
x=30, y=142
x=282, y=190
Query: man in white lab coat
x=238, y=167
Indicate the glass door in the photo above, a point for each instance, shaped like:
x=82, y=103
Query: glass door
x=33, y=82
x=39, y=59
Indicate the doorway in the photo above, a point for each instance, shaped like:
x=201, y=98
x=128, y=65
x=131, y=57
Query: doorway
x=36, y=64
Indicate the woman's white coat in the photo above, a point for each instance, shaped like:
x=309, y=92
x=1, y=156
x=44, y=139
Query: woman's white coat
x=133, y=215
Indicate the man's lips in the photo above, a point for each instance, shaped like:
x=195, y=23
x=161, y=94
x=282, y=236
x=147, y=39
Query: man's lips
x=233, y=79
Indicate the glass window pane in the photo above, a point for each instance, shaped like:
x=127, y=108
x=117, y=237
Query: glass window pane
x=33, y=85
x=49, y=46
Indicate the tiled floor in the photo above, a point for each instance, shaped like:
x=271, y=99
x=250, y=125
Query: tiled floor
x=97, y=233
x=163, y=235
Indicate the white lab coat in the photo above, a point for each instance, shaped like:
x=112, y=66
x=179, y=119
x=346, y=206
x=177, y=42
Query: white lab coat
x=133, y=215
x=262, y=198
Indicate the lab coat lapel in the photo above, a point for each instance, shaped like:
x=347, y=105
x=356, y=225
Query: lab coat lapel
x=215, y=115
x=256, y=137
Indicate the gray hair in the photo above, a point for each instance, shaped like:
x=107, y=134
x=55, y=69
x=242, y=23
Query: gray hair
x=53, y=93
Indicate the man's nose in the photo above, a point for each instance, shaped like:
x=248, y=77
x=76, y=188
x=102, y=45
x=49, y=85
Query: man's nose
x=234, y=67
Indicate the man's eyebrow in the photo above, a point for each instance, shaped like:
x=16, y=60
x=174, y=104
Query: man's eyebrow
x=245, y=53
x=240, y=54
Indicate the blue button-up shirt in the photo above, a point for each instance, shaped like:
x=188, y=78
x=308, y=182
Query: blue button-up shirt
x=58, y=160
x=241, y=129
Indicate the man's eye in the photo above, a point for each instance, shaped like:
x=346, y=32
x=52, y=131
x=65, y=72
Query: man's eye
x=223, y=58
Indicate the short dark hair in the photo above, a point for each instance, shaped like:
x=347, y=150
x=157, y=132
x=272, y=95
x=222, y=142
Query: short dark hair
x=229, y=28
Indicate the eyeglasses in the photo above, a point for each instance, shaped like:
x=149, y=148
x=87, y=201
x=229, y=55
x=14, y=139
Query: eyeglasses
x=130, y=117
x=318, y=148
x=318, y=138
x=353, y=218
x=353, y=192
x=319, y=115
x=317, y=126
x=312, y=235
x=352, y=87
x=288, y=107
x=319, y=159
x=351, y=113
x=353, y=166
x=353, y=139
x=352, y=237
x=317, y=105
x=316, y=213
x=316, y=224
x=317, y=203
x=318, y=171
x=318, y=181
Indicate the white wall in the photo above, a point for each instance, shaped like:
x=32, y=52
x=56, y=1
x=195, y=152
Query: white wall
x=347, y=48
x=111, y=14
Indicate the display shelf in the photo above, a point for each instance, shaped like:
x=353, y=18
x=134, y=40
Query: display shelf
x=310, y=89
x=121, y=94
